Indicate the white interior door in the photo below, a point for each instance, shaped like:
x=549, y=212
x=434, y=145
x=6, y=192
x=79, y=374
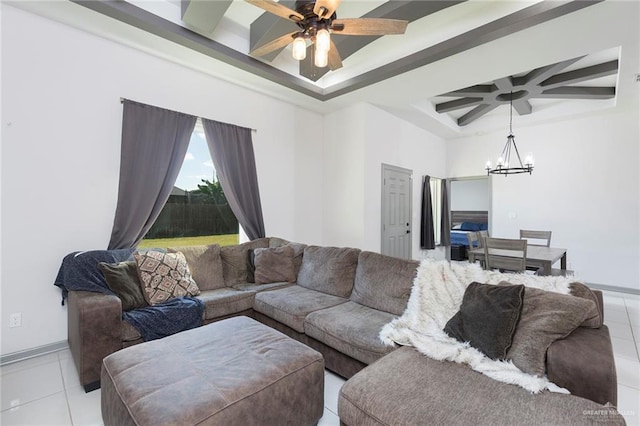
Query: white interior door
x=396, y=211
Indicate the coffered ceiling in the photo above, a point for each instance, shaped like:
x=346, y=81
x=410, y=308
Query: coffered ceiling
x=448, y=73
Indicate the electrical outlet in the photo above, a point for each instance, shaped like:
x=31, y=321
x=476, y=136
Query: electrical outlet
x=15, y=319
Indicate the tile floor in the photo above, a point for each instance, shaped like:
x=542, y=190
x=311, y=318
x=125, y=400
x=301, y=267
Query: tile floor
x=45, y=390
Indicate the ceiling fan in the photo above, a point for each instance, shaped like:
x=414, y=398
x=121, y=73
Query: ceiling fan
x=317, y=20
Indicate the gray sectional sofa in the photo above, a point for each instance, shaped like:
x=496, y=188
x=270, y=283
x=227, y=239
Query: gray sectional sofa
x=337, y=305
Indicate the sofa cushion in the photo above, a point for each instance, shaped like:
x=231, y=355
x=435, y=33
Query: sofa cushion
x=350, y=328
x=487, y=318
x=235, y=259
x=383, y=282
x=330, y=270
x=261, y=287
x=291, y=305
x=408, y=388
x=164, y=276
x=204, y=263
x=274, y=265
x=546, y=317
x=225, y=301
x=122, y=278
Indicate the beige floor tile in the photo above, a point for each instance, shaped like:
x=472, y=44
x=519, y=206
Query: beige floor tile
x=332, y=385
x=329, y=419
x=628, y=372
x=624, y=348
x=621, y=330
x=49, y=411
x=26, y=385
x=629, y=404
x=85, y=407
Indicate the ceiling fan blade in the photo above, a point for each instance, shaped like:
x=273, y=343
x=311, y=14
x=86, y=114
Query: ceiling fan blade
x=277, y=9
x=335, y=62
x=325, y=8
x=276, y=44
x=369, y=26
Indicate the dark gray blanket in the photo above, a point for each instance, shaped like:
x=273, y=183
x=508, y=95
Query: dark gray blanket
x=170, y=317
x=79, y=272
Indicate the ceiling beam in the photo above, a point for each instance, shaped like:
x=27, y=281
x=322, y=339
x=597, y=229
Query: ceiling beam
x=522, y=106
x=203, y=15
x=579, y=92
x=478, y=89
x=580, y=75
x=458, y=104
x=476, y=113
x=539, y=74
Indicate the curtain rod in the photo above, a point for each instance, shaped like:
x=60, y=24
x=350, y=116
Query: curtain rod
x=179, y=112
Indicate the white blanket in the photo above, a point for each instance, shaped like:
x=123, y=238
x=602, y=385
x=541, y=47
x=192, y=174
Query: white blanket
x=436, y=296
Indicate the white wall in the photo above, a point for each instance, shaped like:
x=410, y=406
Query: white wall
x=472, y=194
x=584, y=188
x=61, y=125
x=358, y=141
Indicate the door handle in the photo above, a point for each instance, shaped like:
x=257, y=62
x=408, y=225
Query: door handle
x=408, y=232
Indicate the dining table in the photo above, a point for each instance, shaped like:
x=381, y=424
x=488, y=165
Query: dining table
x=538, y=257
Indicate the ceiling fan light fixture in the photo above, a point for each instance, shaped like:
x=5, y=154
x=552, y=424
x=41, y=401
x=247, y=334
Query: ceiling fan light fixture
x=323, y=40
x=299, y=47
x=321, y=58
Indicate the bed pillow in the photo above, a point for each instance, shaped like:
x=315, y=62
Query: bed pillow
x=457, y=226
x=274, y=265
x=487, y=318
x=470, y=226
x=164, y=276
x=546, y=317
x=122, y=278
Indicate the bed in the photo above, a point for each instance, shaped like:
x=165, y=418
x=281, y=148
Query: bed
x=463, y=222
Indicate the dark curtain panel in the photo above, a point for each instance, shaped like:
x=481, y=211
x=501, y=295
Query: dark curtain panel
x=427, y=237
x=445, y=225
x=232, y=152
x=154, y=143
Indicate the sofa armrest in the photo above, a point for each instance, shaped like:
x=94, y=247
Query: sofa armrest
x=94, y=331
x=583, y=363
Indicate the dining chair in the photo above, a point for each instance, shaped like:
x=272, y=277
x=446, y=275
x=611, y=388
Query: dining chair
x=505, y=254
x=536, y=235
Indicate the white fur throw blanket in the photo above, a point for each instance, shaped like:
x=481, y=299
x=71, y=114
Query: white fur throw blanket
x=436, y=296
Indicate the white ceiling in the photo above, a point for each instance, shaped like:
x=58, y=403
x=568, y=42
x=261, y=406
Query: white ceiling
x=601, y=32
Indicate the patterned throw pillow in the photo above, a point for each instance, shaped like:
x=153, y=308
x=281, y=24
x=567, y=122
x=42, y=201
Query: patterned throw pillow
x=164, y=276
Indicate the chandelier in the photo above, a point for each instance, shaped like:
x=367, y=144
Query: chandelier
x=504, y=166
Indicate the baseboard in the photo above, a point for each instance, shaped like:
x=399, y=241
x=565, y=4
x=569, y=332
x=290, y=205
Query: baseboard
x=34, y=352
x=614, y=288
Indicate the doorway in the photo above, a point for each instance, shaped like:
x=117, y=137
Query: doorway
x=396, y=211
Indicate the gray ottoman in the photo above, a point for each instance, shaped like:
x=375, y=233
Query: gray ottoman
x=232, y=372
x=407, y=388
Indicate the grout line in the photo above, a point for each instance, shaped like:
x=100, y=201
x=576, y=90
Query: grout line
x=633, y=334
x=66, y=395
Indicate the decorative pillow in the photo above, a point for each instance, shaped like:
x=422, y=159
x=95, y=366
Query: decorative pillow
x=122, y=279
x=487, y=318
x=457, y=226
x=470, y=226
x=595, y=318
x=234, y=261
x=205, y=265
x=164, y=276
x=546, y=317
x=274, y=265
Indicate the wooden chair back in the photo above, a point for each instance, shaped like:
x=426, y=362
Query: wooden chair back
x=474, y=240
x=505, y=254
x=536, y=235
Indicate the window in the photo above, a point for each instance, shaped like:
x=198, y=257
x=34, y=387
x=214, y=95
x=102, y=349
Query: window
x=197, y=211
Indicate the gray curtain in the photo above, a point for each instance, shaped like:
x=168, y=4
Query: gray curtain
x=427, y=237
x=154, y=143
x=445, y=225
x=232, y=152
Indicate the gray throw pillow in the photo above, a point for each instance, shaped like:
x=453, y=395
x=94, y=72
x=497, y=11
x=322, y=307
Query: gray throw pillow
x=274, y=265
x=205, y=265
x=122, y=278
x=595, y=318
x=546, y=317
x=487, y=318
